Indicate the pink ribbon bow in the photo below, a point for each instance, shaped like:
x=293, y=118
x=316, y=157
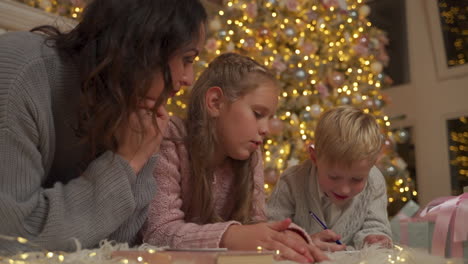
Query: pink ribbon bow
x=449, y=214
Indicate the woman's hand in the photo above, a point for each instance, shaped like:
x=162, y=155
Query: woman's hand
x=140, y=137
x=270, y=236
x=325, y=240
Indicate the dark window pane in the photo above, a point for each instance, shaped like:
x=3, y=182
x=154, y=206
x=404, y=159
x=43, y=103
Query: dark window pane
x=390, y=16
x=458, y=153
x=454, y=30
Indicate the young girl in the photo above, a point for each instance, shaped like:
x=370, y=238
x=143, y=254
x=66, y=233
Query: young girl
x=81, y=114
x=209, y=172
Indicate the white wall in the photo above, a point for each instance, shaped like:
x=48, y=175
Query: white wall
x=428, y=101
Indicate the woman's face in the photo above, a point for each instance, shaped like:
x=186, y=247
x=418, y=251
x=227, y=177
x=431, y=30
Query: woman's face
x=181, y=66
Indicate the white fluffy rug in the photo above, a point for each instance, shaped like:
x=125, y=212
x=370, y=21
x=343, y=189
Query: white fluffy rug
x=370, y=255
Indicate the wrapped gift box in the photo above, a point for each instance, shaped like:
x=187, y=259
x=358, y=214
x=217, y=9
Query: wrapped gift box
x=409, y=210
x=441, y=227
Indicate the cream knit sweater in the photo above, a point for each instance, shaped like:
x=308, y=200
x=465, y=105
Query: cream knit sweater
x=296, y=194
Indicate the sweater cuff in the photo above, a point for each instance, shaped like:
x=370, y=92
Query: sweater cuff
x=223, y=230
x=295, y=228
x=128, y=170
x=110, y=163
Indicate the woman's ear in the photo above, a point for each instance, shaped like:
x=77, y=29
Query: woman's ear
x=214, y=100
x=312, y=154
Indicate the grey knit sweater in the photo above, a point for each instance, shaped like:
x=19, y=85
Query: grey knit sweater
x=46, y=193
x=296, y=194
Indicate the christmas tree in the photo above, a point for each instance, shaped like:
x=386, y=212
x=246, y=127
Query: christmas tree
x=325, y=53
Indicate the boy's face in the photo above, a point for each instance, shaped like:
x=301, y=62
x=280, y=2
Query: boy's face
x=341, y=183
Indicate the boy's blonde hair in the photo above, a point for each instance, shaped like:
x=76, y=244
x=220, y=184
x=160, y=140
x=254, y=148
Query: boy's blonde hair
x=345, y=135
x=236, y=75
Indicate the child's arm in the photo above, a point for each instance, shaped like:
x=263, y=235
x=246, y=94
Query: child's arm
x=376, y=226
x=280, y=204
x=166, y=225
x=272, y=236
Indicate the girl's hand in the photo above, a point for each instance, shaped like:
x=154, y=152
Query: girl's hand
x=141, y=136
x=383, y=240
x=325, y=240
x=315, y=252
x=269, y=236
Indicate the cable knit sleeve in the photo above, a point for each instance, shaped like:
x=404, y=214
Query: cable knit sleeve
x=166, y=225
x=376, y=221
x=281, y=204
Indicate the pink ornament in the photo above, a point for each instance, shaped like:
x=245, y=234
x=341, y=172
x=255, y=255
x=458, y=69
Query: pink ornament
x=322, y=90
x=276, y=126
x=369, y=103
x=279, y=66
x=388, y=80
x=363, y=40
x=388, y=145
x=292, y=5
x=361, y=50
x=312, y=15
x=315, y=110
x=263, y=32
x=384, y=58
x=330, y=3
x=336, y=79
x=309, y=48
x=251, y=9
x=211, y=45
x=249, y=43
x=383, y=39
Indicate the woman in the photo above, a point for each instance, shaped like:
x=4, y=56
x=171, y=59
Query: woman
x=82, y=113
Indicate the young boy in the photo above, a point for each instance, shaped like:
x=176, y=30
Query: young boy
x=340, y=184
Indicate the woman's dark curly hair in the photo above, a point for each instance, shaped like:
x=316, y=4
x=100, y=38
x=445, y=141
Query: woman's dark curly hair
x=118, y=47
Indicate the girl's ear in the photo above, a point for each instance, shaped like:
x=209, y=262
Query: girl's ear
x=214, y=100
x=313, y=154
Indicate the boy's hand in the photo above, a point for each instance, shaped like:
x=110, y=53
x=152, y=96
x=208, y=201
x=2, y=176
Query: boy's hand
x=383, y=240
x=325, y=240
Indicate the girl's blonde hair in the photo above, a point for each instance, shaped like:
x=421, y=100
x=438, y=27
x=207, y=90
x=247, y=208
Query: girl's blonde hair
x=345, y=135
x=236, y=75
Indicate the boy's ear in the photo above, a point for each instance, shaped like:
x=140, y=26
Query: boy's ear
x=214, y=100
x=312, y=154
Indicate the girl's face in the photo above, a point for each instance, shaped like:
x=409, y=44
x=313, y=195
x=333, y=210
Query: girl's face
x=181, y=66
x=243, y=124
